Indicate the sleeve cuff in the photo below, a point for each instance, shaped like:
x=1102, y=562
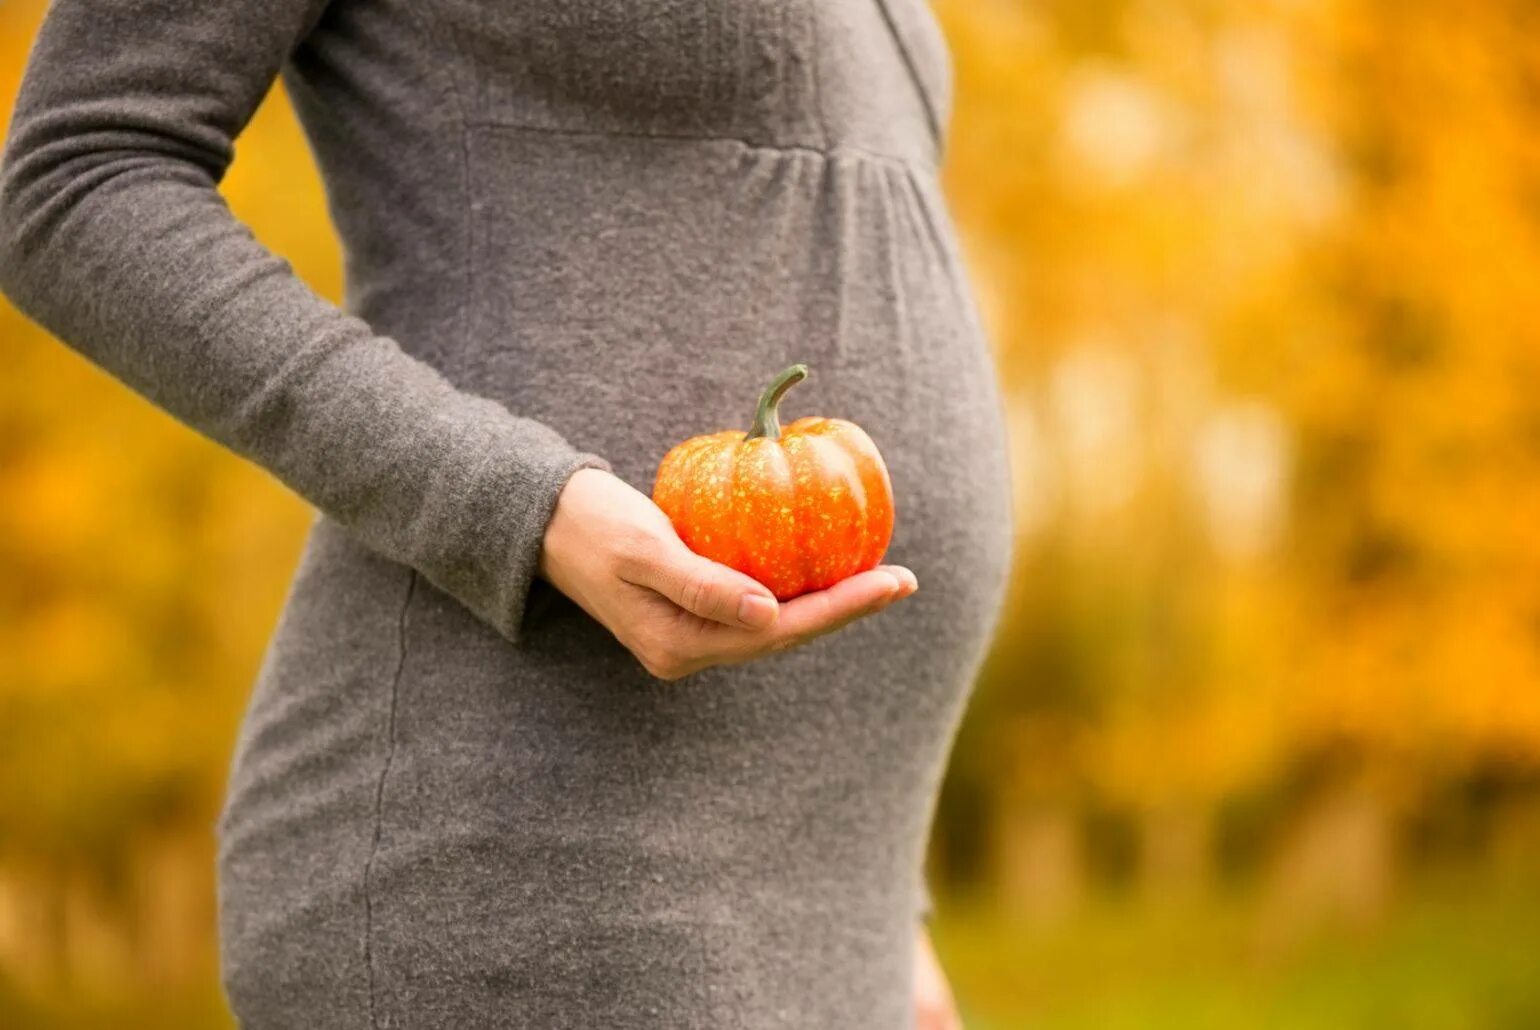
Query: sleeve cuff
x=529, y=538
x=494, y=488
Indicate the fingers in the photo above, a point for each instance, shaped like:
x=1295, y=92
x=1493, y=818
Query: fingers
x=707, y=588
x=824, y=611
x=806, y=617
x=685, y=643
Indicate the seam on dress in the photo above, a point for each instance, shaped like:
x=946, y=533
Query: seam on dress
x=379, y=790
x=815, y=33
x=932, y=115
x=842, y=150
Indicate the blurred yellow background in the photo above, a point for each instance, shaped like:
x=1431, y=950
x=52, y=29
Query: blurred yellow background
x=1259, y=743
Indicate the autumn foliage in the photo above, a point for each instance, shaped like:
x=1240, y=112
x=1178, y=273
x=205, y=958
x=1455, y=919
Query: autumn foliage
x=1262, y=280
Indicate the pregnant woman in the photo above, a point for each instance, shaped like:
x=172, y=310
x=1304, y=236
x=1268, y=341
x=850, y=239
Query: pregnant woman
x=516, y=757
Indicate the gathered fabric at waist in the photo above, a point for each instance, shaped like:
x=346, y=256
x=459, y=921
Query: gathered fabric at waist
x=601, y=281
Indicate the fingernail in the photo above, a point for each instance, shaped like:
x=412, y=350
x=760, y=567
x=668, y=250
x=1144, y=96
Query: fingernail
x=757, y=611
x=907, y=580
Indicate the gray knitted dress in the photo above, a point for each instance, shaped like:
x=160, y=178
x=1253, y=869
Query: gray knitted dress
x=577, y=232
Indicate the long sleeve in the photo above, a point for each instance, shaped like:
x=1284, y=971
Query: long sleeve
x=113, y=237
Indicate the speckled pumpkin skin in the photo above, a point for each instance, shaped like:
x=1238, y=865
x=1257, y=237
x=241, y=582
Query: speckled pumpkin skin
x=798, y=513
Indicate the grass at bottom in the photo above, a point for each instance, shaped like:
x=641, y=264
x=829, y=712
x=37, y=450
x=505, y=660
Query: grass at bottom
x=1451, y=954
x=198, y=1006
x=1461, y=954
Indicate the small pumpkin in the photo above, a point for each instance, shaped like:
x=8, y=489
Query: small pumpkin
x=798, y=509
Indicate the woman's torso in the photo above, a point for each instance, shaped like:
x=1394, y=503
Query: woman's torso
x=620, y=218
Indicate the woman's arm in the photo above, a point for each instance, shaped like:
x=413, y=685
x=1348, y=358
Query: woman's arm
x=114, y=237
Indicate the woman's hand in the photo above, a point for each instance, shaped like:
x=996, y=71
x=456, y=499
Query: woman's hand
x=610, y=549
x=934, y=1008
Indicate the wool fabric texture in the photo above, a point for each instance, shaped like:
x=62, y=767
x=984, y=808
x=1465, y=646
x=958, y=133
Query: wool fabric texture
x=576, y=233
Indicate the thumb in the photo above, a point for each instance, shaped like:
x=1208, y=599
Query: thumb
x=712, y=590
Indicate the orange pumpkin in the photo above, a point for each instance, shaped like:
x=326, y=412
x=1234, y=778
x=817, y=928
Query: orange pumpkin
x=799, y=509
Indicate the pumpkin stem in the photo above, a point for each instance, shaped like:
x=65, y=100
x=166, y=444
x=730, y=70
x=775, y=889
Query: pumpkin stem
x=767, y=419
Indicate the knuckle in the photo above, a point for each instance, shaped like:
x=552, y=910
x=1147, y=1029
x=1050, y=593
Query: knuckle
x=662, y=658
x=638, y=551
x=696, y=594
x=655, y=667
x=667, y=669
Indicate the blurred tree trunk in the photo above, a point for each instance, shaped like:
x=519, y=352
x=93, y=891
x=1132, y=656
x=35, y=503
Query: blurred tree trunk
x=34, y=927
x=1041, y=861
x=1334, y=868
x=1175, y=855
x=173, y=887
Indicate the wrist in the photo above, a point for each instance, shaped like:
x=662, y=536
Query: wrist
x=562, y=532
